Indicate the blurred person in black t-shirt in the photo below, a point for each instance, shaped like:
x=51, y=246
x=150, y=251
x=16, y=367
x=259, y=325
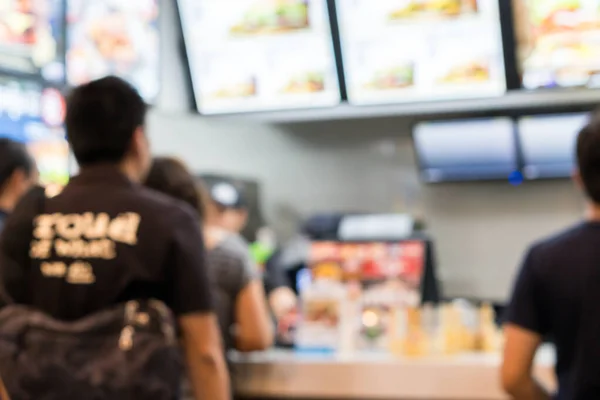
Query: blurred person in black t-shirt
x=557, y=295
x=17, y=175
x=118, y=240
x=240, y=299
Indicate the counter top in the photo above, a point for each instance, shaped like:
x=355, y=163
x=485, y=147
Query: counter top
x=288, y=374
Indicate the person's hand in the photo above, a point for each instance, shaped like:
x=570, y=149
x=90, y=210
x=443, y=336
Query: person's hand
x=282, y=300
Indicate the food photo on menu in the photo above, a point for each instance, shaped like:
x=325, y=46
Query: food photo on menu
x=31, y=38
x=263, y=17
x=297, y=76
x=398, y=77
x=227, y=81
x=558, y=42
x=465, y=72
x=414, y=9
x=114, y=37
x=309, y=82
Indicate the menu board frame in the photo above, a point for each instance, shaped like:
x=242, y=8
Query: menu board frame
x=194, y=85
x=502, y=76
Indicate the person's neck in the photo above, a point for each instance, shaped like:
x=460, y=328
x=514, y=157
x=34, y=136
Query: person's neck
x=125, y=168
x=130, y=171
x=593, y=212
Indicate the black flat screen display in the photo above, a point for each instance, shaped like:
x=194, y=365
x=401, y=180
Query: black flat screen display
x=548, y=144
x=466, y=150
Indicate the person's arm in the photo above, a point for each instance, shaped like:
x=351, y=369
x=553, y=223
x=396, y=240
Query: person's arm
x=282, y=299
x=254, y=327
x=526, y=325
x=191, y=300
x=207, y=369
x=519, y=352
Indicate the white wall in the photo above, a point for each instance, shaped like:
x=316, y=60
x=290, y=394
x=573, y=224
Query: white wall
x=481, y=229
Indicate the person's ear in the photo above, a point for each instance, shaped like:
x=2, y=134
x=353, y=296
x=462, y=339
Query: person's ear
x=19, y=182
x=138, y=141
x=577, y=179
x=141, y=150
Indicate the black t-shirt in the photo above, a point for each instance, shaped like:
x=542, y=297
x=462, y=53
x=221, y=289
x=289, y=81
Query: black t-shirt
x=102, y=241
x=3, y=215
x=557, y=295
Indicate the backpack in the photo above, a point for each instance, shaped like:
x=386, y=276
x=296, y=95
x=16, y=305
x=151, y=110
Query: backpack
x=128, y=352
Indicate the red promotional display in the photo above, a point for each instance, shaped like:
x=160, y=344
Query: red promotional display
x=398, y=263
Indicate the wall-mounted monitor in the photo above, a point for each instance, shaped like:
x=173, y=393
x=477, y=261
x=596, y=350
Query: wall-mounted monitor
x=260, y=55
x=548, y=144
x=405, y=51
x=34, y=115
x=466, y=150
x=114, y=37
x=558, y=42
x=32, y=39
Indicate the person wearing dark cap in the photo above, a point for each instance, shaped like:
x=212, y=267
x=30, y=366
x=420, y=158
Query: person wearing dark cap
x=230, y=203
x=108, y=243
x=229, y=211
x=17, y=175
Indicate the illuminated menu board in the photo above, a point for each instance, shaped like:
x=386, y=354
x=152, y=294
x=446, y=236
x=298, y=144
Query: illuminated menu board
x=34, y=115
x=32, y=39
x=398, y=51
x=114, y=37
x=258, y=55
x=558, y=42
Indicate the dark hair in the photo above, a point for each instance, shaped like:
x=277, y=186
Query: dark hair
x=13, y=157
x=102, y=117
x=588, y=158
x=171, y=177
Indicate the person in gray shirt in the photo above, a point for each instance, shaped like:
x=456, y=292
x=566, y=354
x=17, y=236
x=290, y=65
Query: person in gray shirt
x=239, y=295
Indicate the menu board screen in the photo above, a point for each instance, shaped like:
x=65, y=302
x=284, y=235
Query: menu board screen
x=466, y=150
x=558, y=42
x=259, y=55
x=548, y=144
x=33, y=115
x=405, y=50
x=31, y=38
x=114, y=37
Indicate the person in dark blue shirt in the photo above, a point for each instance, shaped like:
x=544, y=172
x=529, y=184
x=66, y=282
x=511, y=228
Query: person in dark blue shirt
x=557, y=296
x=17, y=175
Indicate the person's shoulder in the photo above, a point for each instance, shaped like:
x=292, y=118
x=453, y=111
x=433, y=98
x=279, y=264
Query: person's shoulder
x=165, y=207
x=564, y=241
x=235, y=243
x=232, y=249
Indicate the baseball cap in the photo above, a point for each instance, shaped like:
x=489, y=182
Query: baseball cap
x=227, y=194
